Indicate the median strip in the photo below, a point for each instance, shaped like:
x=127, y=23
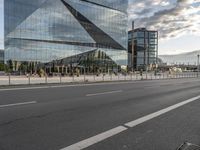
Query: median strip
x=17, y=104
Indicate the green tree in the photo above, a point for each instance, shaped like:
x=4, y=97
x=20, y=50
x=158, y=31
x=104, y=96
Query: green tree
x=10, y=65
x=2, y=67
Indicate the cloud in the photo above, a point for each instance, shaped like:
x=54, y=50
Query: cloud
x=172, y=18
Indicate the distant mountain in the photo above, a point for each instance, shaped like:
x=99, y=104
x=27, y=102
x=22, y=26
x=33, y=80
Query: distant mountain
x=184, y=58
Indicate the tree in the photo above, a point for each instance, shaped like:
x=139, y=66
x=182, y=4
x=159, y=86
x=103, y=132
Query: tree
x=10, y=65
x=2, y=67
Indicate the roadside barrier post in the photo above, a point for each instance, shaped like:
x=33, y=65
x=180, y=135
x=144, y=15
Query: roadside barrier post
x=29, y=79
x=94, y=77
x=146, y=75
x=45, y=78
x=9, y=82
x=131, y=76
x=84, y=75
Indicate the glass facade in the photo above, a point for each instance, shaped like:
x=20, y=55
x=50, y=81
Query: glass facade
x=1, y=56
x=145, y=49
x=46, y=30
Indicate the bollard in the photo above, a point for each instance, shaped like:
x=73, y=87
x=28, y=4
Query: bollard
x=94, y=78
x=9, y=82
x=29, y=79
x=60, y=78
x=84, y=74
x=73, y=78
x=46, y=79
x=131, y=76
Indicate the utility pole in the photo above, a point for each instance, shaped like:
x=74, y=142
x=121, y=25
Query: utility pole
x=198, y=67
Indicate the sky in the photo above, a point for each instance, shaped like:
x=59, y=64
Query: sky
x=178, y=22
x=1, y=25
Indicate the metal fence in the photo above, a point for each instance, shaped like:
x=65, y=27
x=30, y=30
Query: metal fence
x=30, y=79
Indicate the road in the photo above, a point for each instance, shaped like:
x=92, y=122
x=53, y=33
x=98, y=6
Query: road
x=137, y=115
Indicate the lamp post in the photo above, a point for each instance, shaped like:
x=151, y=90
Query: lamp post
x=198, y=67
x=133, y=46
x=146, y=59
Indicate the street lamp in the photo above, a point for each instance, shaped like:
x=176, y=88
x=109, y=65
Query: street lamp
x=198, y=67
x=133, y=46
x=146, y=58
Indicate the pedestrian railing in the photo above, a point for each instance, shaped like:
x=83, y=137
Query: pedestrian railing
x=29, y=79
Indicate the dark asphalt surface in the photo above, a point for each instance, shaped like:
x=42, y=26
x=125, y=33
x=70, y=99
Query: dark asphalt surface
x=63, y=116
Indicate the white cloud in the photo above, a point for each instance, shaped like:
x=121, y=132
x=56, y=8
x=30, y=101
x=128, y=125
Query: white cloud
x=172, y=18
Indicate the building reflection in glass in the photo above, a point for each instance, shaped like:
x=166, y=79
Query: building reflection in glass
x=45, y=31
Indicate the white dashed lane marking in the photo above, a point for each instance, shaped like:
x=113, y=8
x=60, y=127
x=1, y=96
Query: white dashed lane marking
x=105, y=135
x=17, y=104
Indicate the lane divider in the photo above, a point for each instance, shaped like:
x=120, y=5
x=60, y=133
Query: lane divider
x=18, y=104
x=159, y=113
x=108, y=134
x=63, y=86
x=104, y=93
x=95, y=139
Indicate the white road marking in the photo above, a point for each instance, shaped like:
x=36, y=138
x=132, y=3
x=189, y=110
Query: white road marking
x=153, y=86
x=159, y=113
x=103, y=136
x=96, y=139
x=63, y=86
x=104, y=93
x=25, y=88
x=17, y=104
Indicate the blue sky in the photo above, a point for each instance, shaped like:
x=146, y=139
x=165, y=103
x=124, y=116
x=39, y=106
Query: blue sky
x=178, y=22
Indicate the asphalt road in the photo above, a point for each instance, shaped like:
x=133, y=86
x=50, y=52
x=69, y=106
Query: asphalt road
x=56, y=117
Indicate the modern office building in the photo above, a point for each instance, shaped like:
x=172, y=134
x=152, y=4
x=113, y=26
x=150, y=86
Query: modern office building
x=64, y=32
x=142, y=49
x=1, y=56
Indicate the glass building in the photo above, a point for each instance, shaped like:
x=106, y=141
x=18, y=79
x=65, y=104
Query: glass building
x=142, y=49
x=46, y=31
x=1, y=56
